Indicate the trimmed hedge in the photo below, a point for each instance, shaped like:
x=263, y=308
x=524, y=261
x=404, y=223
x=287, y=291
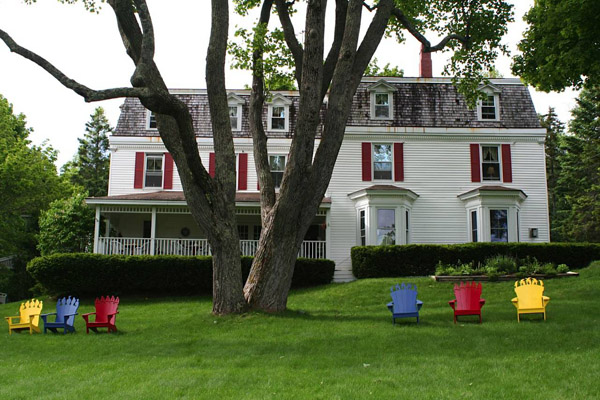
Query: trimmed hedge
x=84, y=274
x=421, y=259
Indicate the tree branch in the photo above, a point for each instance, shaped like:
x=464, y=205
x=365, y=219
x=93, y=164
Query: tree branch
x=372, y=38
x=88, y=94
x=147, y=54
x=130, y=31
x=341, y=9
x=427, y=47
x=290, y=36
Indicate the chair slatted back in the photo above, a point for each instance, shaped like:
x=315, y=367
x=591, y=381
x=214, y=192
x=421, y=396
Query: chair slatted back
x=66, y=306
x=106, y=306
x=467, y=295
x=404, y=298
x=529, y=292
x=33, y=308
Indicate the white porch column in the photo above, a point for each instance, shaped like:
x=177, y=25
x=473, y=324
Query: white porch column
x=96, y=229
x=327, y=235
x=153, y=231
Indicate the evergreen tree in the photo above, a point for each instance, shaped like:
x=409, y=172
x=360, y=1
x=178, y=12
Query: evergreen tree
x=580, y=176
x=554, y=152
x=89, y=168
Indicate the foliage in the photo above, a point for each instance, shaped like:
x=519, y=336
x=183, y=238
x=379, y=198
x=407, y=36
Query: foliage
x=422, y=259
x=84, y=274
x=501, y=265
x=67, y=226
x=375, y=70
x=89, y=169
x=575, y=194
x=560, y=46
x=554, y=154
x=28, y=183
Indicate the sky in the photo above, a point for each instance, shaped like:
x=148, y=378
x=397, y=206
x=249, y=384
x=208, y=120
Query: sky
x=87, y=48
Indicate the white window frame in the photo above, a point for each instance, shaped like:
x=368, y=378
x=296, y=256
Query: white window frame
x=234, y=100
x=149, y=115
x=499, y=150
x=391, y=178
x=508, y=223
x=490, y=91
x=162, y=175
x=279, y=101
x=285, y=160
x=381, y=87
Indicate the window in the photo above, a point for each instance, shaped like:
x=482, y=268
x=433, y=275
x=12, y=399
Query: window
x=382, y=161
x=474, y=236
x=499, y=225
x=277, y=164
x=152, y=120
x=386, y=226
x=256, y=232
x=234, y=117
x=490, y=163
x=382, y=105
x=278, y=118
x=488, y=108
x=243, y=232
x=363, y=228
x=382, y=100
x=154, y=170
x=406, y=222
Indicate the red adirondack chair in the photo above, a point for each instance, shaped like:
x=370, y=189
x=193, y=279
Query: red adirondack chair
x=106, y=314
x=468, y=300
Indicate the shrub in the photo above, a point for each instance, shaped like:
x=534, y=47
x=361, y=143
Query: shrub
x=84, y=274
x=420, y=260
x=562, y=269
x=502, y=264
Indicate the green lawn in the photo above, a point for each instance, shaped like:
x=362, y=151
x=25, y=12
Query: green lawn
x=335, y=342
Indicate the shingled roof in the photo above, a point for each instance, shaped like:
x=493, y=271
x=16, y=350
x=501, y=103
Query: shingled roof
x=417, y=102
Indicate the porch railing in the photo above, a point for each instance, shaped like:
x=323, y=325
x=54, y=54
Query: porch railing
x=190, y=247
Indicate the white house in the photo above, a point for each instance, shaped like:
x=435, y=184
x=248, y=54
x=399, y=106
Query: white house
x=416, y=166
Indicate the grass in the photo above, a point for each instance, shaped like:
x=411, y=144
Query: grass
x=335, y=342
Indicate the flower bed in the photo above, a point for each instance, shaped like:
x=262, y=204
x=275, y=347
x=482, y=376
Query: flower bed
x=501, y=268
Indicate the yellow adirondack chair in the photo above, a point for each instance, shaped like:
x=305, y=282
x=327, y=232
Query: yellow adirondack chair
x=530, y=297
x=29, y=317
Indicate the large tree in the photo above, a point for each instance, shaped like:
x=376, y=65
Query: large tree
x=560, y=48
x=89, y=168
x=472, y=29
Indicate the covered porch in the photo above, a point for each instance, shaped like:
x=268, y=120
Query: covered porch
x=160, y=223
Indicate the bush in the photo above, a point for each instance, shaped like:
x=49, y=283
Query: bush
x=421, y=259
x=84, y=274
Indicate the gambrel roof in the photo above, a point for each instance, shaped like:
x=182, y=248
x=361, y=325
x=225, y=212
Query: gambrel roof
x=417, y=102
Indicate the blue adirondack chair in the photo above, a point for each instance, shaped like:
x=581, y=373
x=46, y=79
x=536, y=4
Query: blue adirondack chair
x=404, y=302
x=66, y=310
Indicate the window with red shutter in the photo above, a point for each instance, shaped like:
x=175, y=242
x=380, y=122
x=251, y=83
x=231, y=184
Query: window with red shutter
x=366, y=162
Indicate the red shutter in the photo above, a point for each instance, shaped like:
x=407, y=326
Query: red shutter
x=168, y=178
x=366, y=161
x=138, y=180
x=475, y=164
x=211, y=165
x=506, y=164
x=398, y=162
x=243, y=171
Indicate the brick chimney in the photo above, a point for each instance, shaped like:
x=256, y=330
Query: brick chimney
x=425, y=65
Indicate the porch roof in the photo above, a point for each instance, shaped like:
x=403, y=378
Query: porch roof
x=176, y=198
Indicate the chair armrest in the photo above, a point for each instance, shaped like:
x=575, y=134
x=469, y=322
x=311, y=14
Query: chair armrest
x=9, y=319
x=515, y=302
x=452, y=304
x=481, y=302
x=545, y=300
x=419, y=302
x=46, y=314
x=86, y=316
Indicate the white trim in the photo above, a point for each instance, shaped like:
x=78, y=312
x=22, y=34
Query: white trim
x=279, y=101
x=492, y=91
x=455, y=132
x=381, y=87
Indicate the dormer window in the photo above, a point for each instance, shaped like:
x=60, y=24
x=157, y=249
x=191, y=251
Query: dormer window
x=382, y=100
x=488, y=108
x=151, y=118
x=278, y=116
x=235, y=111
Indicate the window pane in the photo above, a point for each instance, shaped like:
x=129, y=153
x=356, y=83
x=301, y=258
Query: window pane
x=363, y=228
x=278, y=118
x=499, y=225
x=386, y=226
x=277, y=164
x=490, y=165
x=152, y=123
x=154, y=171
x=243, y=232
x=474, y=226
x=381, y=99
x=382, y=161
x=233, y=117
x=382, y=111
x=488, y=108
